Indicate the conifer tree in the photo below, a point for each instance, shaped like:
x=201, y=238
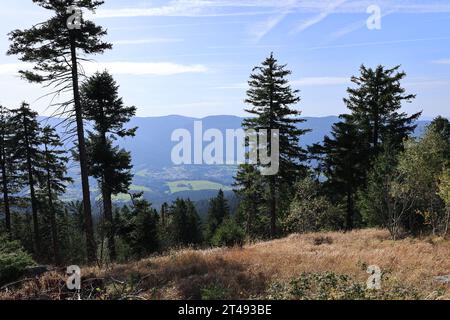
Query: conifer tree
x=271, y=101
x=249, y=188
x=145, y=229
x=374, y=105
x=218, y=210
x=373, y=124
x=185, y=223
x=28, y=154
x=53, y=180
x=9, y=182
x=164, y=214
x=341, y=158
x=56, y=51
x=441, y=126
x=108, y=163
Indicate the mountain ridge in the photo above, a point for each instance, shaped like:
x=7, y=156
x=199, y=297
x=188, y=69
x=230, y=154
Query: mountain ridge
x=161, y=180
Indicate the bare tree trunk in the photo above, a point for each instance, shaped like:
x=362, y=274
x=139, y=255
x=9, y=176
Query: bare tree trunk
x=250, y=214
x=110, y=230
x=273, y=210
x=37, y=238
x=53, y=223
x=349, y=216
x=447, y=222
x=54, y=228
x=90, y=240
x=5, y=191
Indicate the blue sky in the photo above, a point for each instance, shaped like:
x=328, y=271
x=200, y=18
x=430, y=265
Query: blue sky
x=193, y=57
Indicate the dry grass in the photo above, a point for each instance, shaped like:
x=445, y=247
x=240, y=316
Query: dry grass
x=248, y=272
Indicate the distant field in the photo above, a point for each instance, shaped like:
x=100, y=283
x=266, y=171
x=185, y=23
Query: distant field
x=134, y=187
x=195, y=185
x=122, y=197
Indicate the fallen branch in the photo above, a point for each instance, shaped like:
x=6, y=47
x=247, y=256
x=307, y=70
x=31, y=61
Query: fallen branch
x=5, y=287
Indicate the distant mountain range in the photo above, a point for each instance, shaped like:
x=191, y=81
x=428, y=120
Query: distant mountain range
x=161, y=180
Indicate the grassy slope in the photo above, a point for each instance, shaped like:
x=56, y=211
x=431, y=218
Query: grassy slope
x=250, y=272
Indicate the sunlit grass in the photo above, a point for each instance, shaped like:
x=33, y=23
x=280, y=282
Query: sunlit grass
x=195, y=185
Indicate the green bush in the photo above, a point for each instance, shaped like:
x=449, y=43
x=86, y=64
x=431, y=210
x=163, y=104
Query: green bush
x=13, y=260
x=229, y=234
x=310, y=211
x=332, y=286
x=215, y=292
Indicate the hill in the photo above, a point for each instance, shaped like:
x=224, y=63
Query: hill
x=162, y=181
x=310, y=266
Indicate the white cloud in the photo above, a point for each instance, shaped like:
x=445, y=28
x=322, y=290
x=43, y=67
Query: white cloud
x=122, y=68
x=194, y=8
x=261, y=29
x=11, y=68
x=186, y=8
x=145, y=41
x=145, y=68
x=442, y=61
x=320, y=17
x=356, y=26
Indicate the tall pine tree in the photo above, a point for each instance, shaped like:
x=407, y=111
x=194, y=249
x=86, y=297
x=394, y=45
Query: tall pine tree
x=341, y=160
x=109, y=164
x=271, y=100
x=185, y=224
x=28, y=154
x=10, y=183
x=56, y=51
x=374, y=123
x=53, y=180
x=218, y=210
x=375, y=105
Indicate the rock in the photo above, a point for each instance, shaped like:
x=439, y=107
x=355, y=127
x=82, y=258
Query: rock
x=36, y=271
x=443, y=279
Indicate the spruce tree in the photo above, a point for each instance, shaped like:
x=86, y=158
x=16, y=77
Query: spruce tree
x=145, y=229
x=164, y=214
x=28, y=155
x=108, y=163
x=374, y=123
x=441, y=126
x=53, y=180
x=271, y=101
x=341, y=159
x=9, y=182
x=249, y=188
x=374, y=106
x=218, y=210
x=56, y=51
x=185, y=223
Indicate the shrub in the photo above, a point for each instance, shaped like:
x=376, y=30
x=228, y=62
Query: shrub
x=215, y=292
x=13, y=260
x=310, y=211
x=228, y=234
x=332, y=286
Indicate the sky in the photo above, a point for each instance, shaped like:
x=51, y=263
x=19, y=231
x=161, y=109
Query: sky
x=194, y=57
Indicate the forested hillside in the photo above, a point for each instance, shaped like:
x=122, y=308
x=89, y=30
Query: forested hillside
x=95, y=186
